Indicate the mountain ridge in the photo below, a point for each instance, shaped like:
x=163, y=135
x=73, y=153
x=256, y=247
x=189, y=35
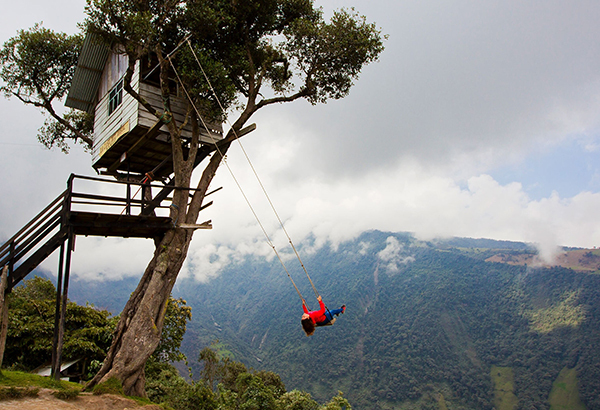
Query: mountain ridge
x=425, y=324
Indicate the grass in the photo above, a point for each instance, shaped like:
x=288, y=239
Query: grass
x=504, y=386
x=566, y=313
x=564, y=394
x=8, y=393
x=23, y=379
x=66, y=394
x=15, y=385
x=114, y=386
x=111, y=386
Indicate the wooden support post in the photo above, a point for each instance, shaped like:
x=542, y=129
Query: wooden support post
x=146, y=195
x=11, y=262
x=3, y=312
x=63, y=310
x=55, y=355
x=128, y=189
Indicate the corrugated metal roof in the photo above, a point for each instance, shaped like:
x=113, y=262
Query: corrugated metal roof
x=84, y=87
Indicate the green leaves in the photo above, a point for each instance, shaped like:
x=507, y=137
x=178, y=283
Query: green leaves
x=138, y=26
x=297, y=400
x=88, y=331
x=331, y=55
x=56, y=134
x=240, y=388
x=266, y=51
x=176, y=318
x=38, y=65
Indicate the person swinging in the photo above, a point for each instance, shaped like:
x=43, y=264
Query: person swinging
x=322, y=317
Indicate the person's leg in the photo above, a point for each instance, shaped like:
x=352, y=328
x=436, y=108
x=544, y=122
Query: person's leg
x=335, y=312
x=328, y=318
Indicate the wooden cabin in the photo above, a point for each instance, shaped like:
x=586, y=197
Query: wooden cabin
x=126, y=136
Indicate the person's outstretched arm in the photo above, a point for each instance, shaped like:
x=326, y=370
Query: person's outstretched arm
x=321, y=304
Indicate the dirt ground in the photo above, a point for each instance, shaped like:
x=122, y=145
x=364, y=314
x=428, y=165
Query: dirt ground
x=85, y=401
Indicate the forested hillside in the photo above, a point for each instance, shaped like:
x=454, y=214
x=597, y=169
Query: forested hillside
x=427, y=325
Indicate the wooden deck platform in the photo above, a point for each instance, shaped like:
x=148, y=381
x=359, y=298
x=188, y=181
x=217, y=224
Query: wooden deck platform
x=125, y=226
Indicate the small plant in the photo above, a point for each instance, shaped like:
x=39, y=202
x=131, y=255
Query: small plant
x=66, y=394
x=8, y=393
x=111, y=386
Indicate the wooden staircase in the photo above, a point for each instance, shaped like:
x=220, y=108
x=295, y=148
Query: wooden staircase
x=90, y=212
x=81, y=213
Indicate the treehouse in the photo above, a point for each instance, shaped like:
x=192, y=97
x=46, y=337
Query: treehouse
x=126, y=136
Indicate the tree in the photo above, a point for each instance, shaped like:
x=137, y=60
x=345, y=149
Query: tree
x=165, y=385
x=176, y=317
x=88, y=331
x=238, y=388
x=37, y=68
x=255, y=54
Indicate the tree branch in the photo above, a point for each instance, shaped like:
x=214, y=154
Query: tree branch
x=127, y=87
x=304, y=92
x=61, y=120
x=47, y=105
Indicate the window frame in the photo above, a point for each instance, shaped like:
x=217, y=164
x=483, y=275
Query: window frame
x=115, y=97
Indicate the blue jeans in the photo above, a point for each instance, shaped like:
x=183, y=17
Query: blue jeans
x=329, y=314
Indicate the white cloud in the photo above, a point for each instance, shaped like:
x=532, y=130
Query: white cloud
x=409, y=199
x=364, y=248
x=99, y=259
x=462, y=88
x=205, y=262
x=393, y=255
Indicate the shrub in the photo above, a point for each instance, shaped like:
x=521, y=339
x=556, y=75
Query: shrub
x=8, y=393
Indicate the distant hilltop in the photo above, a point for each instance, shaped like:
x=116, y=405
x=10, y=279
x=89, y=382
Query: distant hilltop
x=587, y=260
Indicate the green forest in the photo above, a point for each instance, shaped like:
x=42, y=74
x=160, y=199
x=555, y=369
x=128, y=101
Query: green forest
x=223, y=383
x=428, y=325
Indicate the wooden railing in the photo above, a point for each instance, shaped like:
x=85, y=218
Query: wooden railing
x=49, y=229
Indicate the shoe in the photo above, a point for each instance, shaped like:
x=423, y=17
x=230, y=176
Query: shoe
x=343, y=308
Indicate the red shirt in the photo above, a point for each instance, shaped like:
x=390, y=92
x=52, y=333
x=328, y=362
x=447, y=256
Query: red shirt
x=317, y=316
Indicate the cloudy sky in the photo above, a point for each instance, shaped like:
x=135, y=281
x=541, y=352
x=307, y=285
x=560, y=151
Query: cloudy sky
x=481, y=119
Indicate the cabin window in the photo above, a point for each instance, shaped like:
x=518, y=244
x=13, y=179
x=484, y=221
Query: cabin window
x=115, y=97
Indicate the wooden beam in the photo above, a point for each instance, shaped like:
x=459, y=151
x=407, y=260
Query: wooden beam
x=203, y=152
x=246, y=130
x=137, y=145
x=203, y=207
x=63, y=309
x=3, y=312
x=213, y=191
x=235, y=136
x=36, y=258
x=203, y=225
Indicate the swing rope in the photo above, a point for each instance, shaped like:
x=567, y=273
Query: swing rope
x=253, y=169
x=224, y=159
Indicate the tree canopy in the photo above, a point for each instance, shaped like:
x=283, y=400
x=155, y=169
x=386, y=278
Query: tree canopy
x=230, y=58
x=245, y=55
x=176, y=318
x=88, y=331
x=232, y=386
x=37, y=67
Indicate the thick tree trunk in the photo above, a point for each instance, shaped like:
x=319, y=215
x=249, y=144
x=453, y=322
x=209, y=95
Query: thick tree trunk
x=139, y=329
